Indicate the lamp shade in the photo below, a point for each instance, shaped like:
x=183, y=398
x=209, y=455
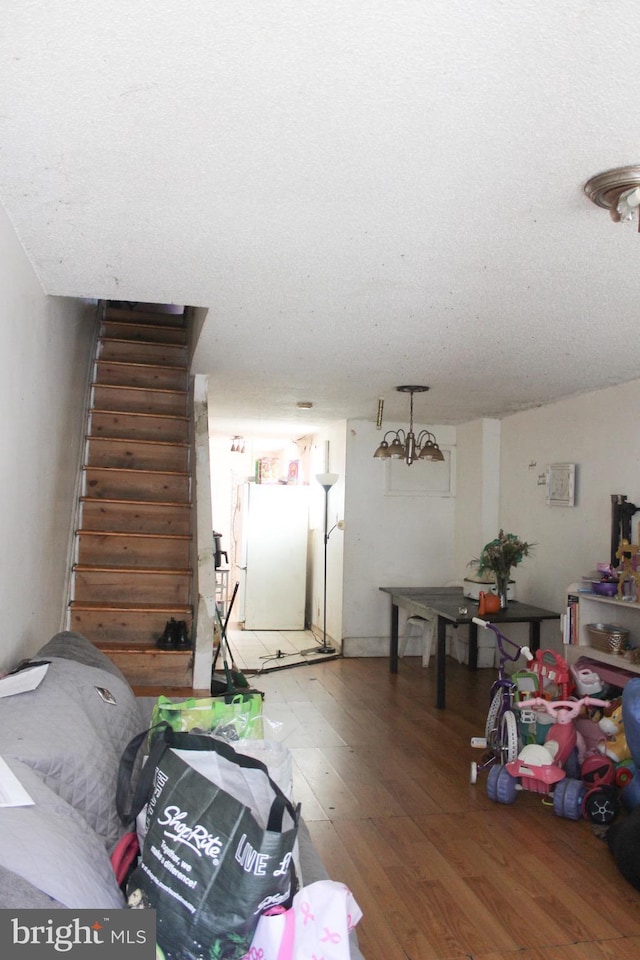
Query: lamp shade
x=383, y=451
x=396, y=449
x=432, y=452
x=327, y=480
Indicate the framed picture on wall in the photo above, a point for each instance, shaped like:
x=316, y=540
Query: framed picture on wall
x=421, y=479
x=561, y=484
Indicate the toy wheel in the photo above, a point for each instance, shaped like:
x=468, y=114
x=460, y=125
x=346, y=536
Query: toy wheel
x=509, y=737
x=501, y=786
x=568, y=797
x=473, y=775
x=624, y=775
x=491, y=726
x=601, y=805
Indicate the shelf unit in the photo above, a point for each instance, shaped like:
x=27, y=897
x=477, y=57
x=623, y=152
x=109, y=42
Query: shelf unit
x=590, y=608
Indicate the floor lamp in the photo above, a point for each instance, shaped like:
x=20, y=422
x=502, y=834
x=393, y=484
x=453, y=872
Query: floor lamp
x=326, y=481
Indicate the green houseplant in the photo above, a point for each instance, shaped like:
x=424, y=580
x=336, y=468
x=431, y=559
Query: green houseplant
x=499, y=556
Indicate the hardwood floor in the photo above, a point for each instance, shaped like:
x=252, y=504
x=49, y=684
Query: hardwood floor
x=440, y=871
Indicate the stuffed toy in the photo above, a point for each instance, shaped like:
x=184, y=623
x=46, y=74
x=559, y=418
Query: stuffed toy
x=612, y=725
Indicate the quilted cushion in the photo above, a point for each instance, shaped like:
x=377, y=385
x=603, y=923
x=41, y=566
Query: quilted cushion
x=51, y=846
x=66, y=733
x=74, y=646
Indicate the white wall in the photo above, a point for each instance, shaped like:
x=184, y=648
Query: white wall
x=45, y=345
x=597, y=432
x=477, y=490
x=205, y=579
x=389, y=540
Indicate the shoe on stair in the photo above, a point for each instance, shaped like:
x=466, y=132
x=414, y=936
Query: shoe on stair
x=169, y=636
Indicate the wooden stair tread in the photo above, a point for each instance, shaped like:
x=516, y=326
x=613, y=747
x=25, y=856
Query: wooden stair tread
x=138, y=470
x=140, y=646
x=144, y=364
x=156, y=443
x=101, y=501
x=134, y=313
x=128, y=533
x=125, y=386
x=149, y=343
x=164, y=571
x=122, y=606
x=139, y=413
x=144, y=324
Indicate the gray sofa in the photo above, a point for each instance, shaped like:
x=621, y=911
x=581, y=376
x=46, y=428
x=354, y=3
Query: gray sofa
x=64, y=741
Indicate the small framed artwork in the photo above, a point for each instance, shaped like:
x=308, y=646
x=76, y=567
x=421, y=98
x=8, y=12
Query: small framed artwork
x=561, y=484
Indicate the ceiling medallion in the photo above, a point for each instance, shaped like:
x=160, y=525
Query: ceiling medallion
x=617, y=191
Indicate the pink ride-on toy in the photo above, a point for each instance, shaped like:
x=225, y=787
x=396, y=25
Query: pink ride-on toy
x=540, y=768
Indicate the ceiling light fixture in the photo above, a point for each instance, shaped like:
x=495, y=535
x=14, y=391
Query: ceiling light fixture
x=617, y=191
x=405, y=446
x=237, y=445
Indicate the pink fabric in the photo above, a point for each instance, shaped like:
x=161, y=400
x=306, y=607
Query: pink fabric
x=124, y=856
x=316, y=927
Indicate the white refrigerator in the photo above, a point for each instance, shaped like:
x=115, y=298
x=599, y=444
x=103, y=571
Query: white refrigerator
x=274, y=530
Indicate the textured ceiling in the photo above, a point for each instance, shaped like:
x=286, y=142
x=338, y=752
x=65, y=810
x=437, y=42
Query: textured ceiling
x=362, y=194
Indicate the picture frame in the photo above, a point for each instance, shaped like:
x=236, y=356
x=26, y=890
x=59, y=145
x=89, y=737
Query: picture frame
x=561, y=484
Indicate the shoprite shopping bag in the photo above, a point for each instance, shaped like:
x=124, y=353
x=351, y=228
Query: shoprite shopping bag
x=237, y=714
x=214, y=856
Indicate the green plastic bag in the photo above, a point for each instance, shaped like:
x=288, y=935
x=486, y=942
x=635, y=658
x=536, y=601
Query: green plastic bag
x=236, y=717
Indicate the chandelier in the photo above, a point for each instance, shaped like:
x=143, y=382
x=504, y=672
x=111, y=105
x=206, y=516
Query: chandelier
x=237, y=445
x=406, y=446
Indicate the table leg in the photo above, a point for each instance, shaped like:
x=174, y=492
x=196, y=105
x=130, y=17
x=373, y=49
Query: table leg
x=534, y=635
x=393, y=642
x=441, y=659
x=473, y=646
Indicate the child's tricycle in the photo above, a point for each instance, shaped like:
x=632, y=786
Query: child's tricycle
x=541, y=768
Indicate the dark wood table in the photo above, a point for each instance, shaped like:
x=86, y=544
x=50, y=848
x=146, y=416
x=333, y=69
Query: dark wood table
x=447, y=605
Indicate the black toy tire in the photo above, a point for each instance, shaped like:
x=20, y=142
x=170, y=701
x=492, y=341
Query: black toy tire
x=601, y=805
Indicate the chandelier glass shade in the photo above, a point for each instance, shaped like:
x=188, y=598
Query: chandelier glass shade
x=405, y=445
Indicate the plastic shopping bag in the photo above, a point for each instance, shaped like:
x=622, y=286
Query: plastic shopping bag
x=318, y=924
x=236, y=716
x=218, y=846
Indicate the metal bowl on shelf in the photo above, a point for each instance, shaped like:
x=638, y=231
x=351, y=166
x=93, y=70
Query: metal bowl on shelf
x=608, y=637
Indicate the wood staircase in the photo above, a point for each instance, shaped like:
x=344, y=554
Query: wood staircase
x=133, y=569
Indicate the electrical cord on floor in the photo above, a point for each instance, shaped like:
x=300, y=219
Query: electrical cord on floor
x=270, y=658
